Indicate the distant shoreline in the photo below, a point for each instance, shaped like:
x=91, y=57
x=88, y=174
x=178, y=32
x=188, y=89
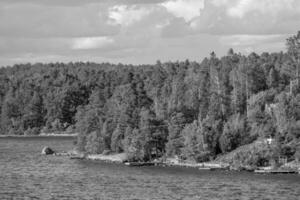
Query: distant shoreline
x=42, y=135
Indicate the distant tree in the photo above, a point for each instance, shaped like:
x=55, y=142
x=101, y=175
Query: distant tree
x=175, y=139
x=234, y=134
x=10, y=114
x=94, y=143
x=73, y=97
x=293, y=47
x=212, y=130
x=192, y=110
x=204, y=92
x=136, y=146
x=34, y=112
x=116, y=140
x=273, y=78
x=194, y=144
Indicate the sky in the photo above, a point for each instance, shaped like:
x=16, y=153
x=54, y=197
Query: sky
x=141, y=31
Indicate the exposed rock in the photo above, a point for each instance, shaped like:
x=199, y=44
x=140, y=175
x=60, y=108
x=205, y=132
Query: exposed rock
x=47, y=151
x=117, y=158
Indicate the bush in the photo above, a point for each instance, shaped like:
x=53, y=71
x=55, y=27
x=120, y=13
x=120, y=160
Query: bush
x=13, y=131
x=45, y=130
x=32, y=131
x=116, y=140
x=234, y=134
x=56, y=125
x=297, y=154
x=135, y=146
x=81, y=142
x=203, y=156
x=71, y=129
x=287, y=151
x=94, y=143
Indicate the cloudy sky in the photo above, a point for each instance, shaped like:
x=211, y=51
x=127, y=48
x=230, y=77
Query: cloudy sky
x=141, y=31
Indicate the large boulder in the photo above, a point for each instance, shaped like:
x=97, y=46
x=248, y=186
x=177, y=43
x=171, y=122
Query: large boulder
x=47, y=151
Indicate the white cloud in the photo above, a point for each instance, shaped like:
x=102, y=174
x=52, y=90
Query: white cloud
x=240, y=8
x=187, y=9
x=84, y=43
x=248, y=40
x=126, y=15
x=273, y=7
x=220, y=2
x=151, y=29
x=252, y=17
x=162, y=24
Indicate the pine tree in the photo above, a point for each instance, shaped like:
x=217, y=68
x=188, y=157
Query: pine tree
x=204, y=92
x=34, y=113
x=273, y=78
x=116, y=140
x=293, y=45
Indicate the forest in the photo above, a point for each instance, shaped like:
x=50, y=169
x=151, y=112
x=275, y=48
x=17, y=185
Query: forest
x=196, y=111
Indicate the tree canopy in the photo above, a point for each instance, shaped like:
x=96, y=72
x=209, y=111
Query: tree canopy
x=192, y=110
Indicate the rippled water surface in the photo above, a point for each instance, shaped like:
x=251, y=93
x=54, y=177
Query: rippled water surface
x=25, y=174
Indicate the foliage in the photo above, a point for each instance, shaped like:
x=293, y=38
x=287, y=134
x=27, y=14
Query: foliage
x=94, y=143
x=192, y=110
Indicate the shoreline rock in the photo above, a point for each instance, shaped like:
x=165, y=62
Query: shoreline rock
x=115, y=158
x=122, y=158
x=47, y=151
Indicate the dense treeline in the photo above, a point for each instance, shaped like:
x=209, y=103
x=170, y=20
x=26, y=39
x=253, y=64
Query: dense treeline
x=195, y=111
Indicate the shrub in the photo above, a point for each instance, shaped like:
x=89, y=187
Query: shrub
x=94, y=143
x=32, y=131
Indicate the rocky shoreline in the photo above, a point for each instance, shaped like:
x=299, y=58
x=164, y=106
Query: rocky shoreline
x=121, y=158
